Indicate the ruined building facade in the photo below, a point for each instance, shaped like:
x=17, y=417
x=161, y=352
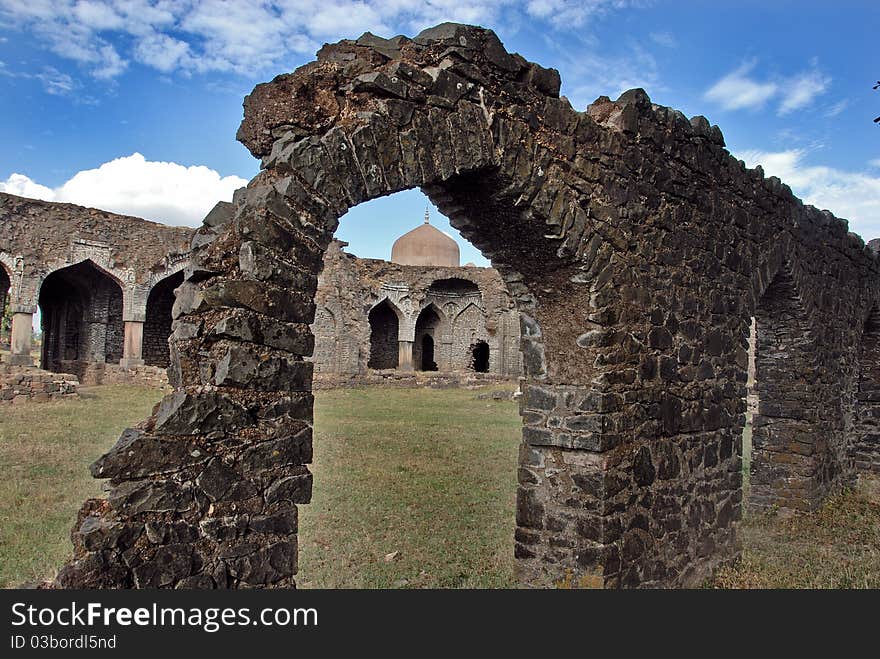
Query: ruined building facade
x=377, y=315
x=636, y=250
x=104, y=284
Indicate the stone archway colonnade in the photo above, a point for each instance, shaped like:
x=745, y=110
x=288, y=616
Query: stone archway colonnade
x=636, y=250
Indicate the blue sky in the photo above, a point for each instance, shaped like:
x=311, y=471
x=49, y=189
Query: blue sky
x=132, y=105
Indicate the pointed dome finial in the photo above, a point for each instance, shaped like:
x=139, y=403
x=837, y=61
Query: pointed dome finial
x=427, y=221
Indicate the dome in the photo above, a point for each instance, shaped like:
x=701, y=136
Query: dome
x=425, y=245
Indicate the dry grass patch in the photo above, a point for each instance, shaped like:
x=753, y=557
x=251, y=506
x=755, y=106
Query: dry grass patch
x=838, y=546
x=45, y=450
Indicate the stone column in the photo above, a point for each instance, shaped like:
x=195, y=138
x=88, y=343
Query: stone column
x=21, y=339
x=133, y=346
x=404, y=355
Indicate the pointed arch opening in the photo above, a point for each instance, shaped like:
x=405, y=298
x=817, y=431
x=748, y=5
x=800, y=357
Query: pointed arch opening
x=786, y=470
x=81, y=318
x=5, y=315
x=157, y=325
x=864, y=444
x=384, y=331
x=428, y=328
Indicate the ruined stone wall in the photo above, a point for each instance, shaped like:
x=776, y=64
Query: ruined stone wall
x=19, y=384
x=635, y=248
x=48, y=236
x=865, y=433
x=50, y=249
x=472, y=303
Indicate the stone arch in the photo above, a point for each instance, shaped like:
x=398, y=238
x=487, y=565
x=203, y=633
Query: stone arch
x=5, y=298
x=864, y=441
x=486, y=170
x=454, y=286
x=384, y=320
x=627, y=272
x=788, y=465
x=431, y=323
x=468, y=327
x=157, y=319
x=81, y=314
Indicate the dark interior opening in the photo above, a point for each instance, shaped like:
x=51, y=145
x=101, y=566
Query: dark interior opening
x=480, y=357
x=383, y=337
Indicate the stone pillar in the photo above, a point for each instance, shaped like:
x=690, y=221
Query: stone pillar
x=404, y=355
x=133, y=346
x=21, y=339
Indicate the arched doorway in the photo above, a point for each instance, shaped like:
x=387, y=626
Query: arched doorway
x=480, y=357
x=5, y=285
x=427, y=356
x=787, y=452
x=384, y=327
x=427, y=333
x=157, y=324
x=865, y=436
x=81, y=311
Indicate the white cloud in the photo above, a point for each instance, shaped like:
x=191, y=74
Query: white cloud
x=246, y=36
x=837, y=108
x=55, y=82
x=741, y=89
x=572, y=13
x=799, y=91
x=664, y=39
x=161, y=191
x=874, y=163
x=737, y=90
x=21, y=185
x=854, y=196
x=588, y=74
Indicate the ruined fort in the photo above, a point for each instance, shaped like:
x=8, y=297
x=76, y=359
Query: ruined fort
x=634, y=251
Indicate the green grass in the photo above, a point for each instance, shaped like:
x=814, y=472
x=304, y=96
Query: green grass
x=838, y=546
x=430, y=474
x=45, y=450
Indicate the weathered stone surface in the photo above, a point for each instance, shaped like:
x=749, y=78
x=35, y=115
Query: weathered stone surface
x=635, y=250
x=243, y=366
x=137, y=454
x=295, y=489
x=182, y=413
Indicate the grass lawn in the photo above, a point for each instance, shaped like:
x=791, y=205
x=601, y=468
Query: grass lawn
x=413, y=488
x=45, y=450
x=430, y=474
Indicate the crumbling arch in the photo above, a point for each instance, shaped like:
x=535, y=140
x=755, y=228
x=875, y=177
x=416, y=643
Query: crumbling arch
x=384, y=319
x=454, y=287
x=626, y=236
x=81, y=315
x=787, y=464
x=865, y=434
x=157, y=320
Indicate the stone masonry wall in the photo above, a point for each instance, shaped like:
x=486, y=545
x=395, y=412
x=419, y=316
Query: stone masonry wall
x=350, y=287
x=635, y=248
x=19, y=384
